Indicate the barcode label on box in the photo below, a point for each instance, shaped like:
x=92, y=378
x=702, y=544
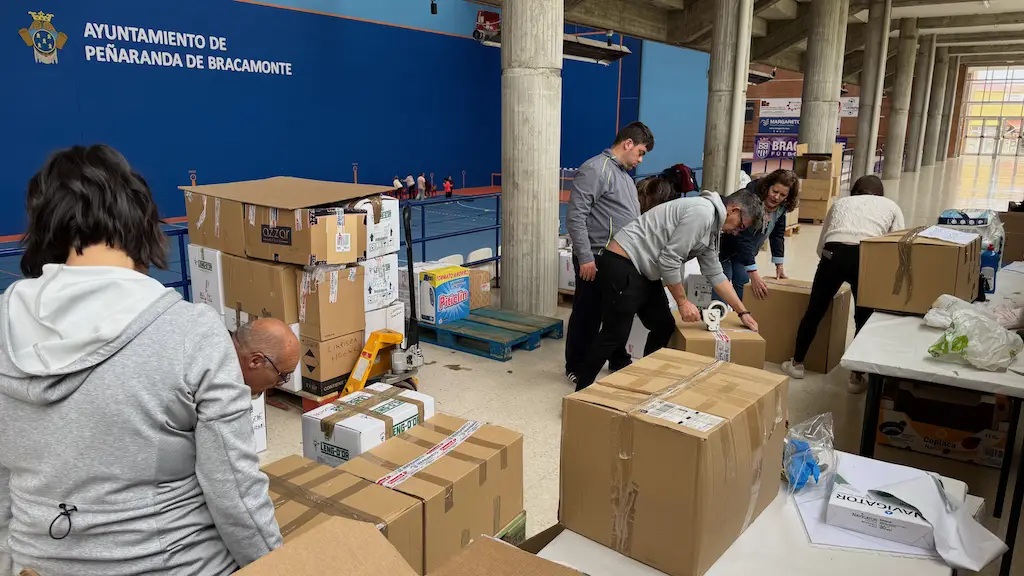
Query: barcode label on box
x=682, y=415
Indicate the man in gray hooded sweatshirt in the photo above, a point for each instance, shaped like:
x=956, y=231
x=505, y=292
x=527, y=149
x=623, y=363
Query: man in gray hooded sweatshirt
x=126, y=442
x=650, y=252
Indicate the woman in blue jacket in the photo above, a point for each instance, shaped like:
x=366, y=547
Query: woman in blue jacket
x=780, y=192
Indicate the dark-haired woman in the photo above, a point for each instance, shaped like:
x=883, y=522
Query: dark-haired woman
x=865, y=213
x=126, y=442
x=780, y=192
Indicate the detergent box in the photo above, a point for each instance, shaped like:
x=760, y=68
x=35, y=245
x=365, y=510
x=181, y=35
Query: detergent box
x=443, y=295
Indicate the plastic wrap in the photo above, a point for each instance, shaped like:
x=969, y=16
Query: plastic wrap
x=810, y=452
x=974, y=337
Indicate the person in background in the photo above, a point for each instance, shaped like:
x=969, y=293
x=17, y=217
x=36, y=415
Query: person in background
x=653, y=191
x=268, y=352
x=780, y=192
x=421, y=186
x=602, y=200
x=448, y=187
x=650, y=252
x=126, y=443
x=865, y=213
x=398, y=187
x=410, y=186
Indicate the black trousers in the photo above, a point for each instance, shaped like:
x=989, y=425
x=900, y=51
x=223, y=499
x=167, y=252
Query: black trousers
x=839, y=263
x=585, y=323
x=625, y=293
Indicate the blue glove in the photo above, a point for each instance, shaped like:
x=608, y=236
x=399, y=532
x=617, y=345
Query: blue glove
x=801, y=465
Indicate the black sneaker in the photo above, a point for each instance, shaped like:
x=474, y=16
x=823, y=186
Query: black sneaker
x=619, y=366
x=571, y=377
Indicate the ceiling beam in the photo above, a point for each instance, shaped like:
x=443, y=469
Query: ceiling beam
x=789, y=60
x=687, y=25
x=781, y=36
x=979, y=38
x=855, y=62
x=990, y=49
x=572, y=4
x=856, y=36
x=637, y=19
x=970, y=20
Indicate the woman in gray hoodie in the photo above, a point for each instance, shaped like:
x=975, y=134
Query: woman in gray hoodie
x=126, y=443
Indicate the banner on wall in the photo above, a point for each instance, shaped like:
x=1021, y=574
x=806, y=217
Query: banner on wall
x=778, y=125
x=849, y=107
x=768, y=147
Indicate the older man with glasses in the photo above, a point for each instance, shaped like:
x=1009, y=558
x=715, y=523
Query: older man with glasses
x=268, y=352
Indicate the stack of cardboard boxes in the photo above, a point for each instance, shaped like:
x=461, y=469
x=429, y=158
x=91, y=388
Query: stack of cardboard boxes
x=819, y=182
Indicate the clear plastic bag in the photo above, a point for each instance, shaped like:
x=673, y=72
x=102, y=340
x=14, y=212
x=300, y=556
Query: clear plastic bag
x=809, y=454
x=977, y=339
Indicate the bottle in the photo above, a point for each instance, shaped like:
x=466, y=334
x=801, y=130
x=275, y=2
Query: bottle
x=989, y=267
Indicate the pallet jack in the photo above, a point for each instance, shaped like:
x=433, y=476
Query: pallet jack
x=396, y=367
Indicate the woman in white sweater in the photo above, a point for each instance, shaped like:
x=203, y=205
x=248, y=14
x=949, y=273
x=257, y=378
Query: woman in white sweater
x=865, y=213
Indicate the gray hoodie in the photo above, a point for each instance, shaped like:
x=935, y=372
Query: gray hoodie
x=602, y=200
x=126, y=405
x=661, y=240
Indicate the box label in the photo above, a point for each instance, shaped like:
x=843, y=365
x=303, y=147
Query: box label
x=334, y=451
x=280, y=235
x=450, y=443
x=682, y=415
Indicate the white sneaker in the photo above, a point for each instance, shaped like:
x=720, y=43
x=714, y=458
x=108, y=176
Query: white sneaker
x=858, y=384
x=794, y=370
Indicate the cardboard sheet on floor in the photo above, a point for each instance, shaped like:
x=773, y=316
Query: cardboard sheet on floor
x=490, y=557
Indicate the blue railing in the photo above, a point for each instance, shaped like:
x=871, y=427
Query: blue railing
x=424, y=237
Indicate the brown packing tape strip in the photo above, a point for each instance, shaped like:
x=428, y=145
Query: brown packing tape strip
x=332, y=505
x=480, y=463
x=376, y=398
x=396, y=393
x=300, y=521
x=496, y=527
x=449, y=487
x=904, y=247
x=349, y=410
x=502, y=449
x=297, y=472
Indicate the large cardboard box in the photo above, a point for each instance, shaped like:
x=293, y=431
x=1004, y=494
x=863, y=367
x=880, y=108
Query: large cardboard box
x=380, y=281
x=335, y=433
x=259, y=422
x=779, y=315
x=668, y=460
x=330, y=301
x=818, y=189
x=307, y=495
x=390, y=318
x=261, y=289
x=734, y=342
x=206, y=276
x=942, y=421
x=815, y=167
x=836, y=156
x=479, y=288
x=937, y=267
x=815, y=209
x=326, y=365
x=469, y=476
x=1013, y=240
x=297, y=220
x=215, y=223
x=382, y=223
x=490, y=557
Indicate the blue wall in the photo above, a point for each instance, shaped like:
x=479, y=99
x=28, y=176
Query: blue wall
x=673, y=102
x=394, y=100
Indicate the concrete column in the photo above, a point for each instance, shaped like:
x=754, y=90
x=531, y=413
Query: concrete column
x=741, y=76
x=946, y=128
x=920, y=95
x=531, y=119
x=823, y=75
x=896, y=140
x=872, y=79
x=721, y=81
x=933, y=130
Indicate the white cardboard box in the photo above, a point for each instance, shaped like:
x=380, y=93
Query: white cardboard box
x=380, y=281
x=878, y=516
x=358, y=433
x=403, y=283
x=566, y=272
x=206, y=275
x=391, y=318
x=382, y=237
x=233, y=319
x=259, y=422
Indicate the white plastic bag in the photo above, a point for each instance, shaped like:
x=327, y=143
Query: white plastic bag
x=941, y=313
x=975, y=338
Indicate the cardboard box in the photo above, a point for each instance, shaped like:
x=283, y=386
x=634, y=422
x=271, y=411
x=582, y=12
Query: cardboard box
x=443, y=295
x=836, y=156
x=380, y=281
x=491, y=557
x=403, y=283
x=298, y=220
x=331, y=301
x=307, y=495
x=586, y=556
x=1013, y=240
x=259, y=422
x=261, y=289
x=335, y=433
x=942, y=421
x=326, y=365
x=819, y=189
x=566, y=271
x=733, y=343
x=778, y=318
x=878, y=516
x=815, y=210
x=382, y=223
x=235, y=318
x=390, y=318
x=668, y=460
x=937, y=267
x=815, y=167
x=206, y=276
x=793, y=218
x=470, y=483
x=479, y=288
x=215, y=223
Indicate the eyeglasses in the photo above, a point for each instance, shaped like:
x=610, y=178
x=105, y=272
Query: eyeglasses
x=283, y=377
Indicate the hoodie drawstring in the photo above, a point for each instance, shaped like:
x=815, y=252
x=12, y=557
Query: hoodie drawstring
x=66, y=511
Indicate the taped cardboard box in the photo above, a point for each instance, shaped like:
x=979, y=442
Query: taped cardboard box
x=382, y=223
x=206, y=276
x=297, y=220
x=307, y=494
x=380, y=281
x=935, y=267
x=261, y=289
x=469, y=476
x=335, y=433
x=389, y=318
x=942, y=421
x=330, y=301
x=734, y=342
x=479, y=288
x=326, y=365
x=815, y=210
x=215, y=223
x=491, y=557
x=815, y=167
x=688, y=448
x=1013, y=239
x=778, y=319
x=819, y=189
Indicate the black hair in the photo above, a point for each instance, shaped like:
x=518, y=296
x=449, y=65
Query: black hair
x=638, y=132
x=85, y=196
x=869, y=184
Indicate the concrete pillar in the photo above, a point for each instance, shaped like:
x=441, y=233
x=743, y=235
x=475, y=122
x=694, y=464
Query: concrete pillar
x=900, y=110
x=933, y=130
x=823, y=75
x=531, y=119
x=925, y=68
x=741, y=76
x=946, y=128
x=872, y=79
x=721, y=81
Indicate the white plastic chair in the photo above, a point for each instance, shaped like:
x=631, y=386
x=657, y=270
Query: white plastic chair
x=483, y=254
x=454, y=259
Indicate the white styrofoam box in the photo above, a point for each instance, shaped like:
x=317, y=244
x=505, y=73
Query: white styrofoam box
x=206, y=271
x=566, y=272
x=358, y=433
x=403, y=282
x=638, y=333
x=233, y=319
x=589, y=557
x=381, y=238
x=380, y=281
x=259, y=422
x=392, y=318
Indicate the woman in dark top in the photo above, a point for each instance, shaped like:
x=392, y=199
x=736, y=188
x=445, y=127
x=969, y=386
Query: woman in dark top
x=780, y=193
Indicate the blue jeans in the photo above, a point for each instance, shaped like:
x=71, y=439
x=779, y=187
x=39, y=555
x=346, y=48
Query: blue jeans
x=737, y=274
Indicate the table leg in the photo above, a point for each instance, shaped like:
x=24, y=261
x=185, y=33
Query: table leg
x=1004, y=472
x=1013, y=521
x=871, y=405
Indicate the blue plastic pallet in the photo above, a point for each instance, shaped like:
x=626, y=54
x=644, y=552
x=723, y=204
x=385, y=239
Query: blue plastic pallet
x=493, y=333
